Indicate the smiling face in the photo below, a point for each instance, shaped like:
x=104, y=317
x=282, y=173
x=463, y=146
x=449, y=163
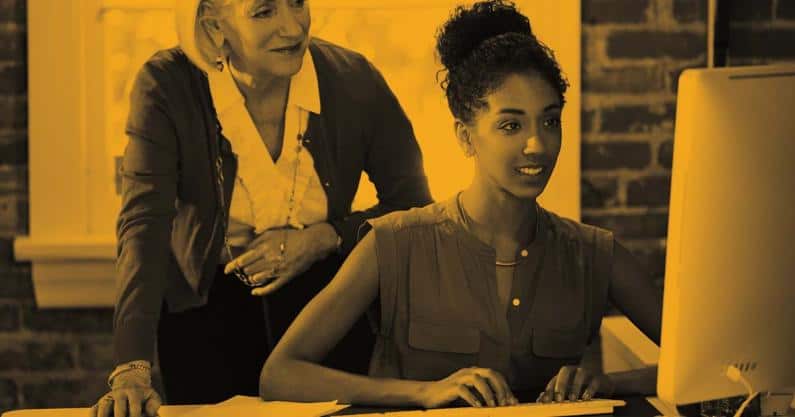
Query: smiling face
x=516, y=137
x=267, y=37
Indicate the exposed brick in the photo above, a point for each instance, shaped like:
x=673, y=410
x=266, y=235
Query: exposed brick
x=16, y=283
x=614, y=11
x=6, y=251
x=785, y=10
x=90, y=320
x=599, y=192
x=762, y=43
x=743, y=11
x=636, y=119
x=13, y=135
x=23, y=216
x=9, y=318
x=8, y=395
x=50, y=356
x=686, y=11
x=14, y=153
x=12, y=356
x=13, y=177
x=15, y=46
x=587, y=121
x=13, y=112
x=624, y=80
x=632, y=226
x=650, y=44
x=13, y=79
x=96, y=355
x=13, y=11
x=9, y=214
x=665, y=154
x=60, y=393
x=615, y=155
x=650, y=191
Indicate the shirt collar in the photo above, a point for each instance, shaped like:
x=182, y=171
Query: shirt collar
x=304, y=89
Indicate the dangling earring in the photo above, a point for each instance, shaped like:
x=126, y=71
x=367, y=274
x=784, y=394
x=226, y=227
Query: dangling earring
x=470, y=152
x=219, y=63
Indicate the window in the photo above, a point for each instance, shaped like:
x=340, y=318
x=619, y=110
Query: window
x=77, y=115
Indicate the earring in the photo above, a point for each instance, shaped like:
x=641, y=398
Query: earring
x=219, y=63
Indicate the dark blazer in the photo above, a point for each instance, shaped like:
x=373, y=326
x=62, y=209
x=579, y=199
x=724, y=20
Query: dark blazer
x=170, y=230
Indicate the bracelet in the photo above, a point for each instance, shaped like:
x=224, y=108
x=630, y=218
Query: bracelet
x=130, y=366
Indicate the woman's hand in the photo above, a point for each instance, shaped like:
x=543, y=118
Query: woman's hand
x=268, y=266
x=476, y=386
x=574, y=383
x=131, y=396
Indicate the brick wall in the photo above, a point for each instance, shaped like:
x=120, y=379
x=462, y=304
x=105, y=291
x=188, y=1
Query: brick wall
x=633, y=50
x=48, y=358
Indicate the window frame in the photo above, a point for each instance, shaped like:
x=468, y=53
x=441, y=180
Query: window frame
x=72, y=261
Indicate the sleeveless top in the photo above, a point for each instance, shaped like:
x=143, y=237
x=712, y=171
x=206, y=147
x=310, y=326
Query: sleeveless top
x=439, y=309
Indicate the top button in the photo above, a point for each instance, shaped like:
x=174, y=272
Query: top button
x=516, y=302
x=524, y=253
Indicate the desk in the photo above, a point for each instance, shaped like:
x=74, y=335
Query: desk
x=636, y=406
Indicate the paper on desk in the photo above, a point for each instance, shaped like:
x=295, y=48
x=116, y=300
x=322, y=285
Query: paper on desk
x=255, y=407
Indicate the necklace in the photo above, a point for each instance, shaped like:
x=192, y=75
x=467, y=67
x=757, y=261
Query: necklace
x=291, y=199
x=468, y=223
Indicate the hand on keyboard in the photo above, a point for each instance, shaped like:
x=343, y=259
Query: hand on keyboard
x=477, y=386
x=574, y=383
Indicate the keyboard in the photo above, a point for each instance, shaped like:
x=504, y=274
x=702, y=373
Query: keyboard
x=567, y=408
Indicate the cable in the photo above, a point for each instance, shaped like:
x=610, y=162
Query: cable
x=735, y=375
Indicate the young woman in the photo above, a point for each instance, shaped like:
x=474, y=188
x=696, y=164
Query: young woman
x=246, y=146
x=485, y=297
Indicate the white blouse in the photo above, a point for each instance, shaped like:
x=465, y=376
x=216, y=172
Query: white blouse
x=261, y=195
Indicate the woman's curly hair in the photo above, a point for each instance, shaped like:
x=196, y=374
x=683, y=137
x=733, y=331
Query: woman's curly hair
x=482, y=44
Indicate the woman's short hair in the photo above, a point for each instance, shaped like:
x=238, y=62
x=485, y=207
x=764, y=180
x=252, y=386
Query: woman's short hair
x=482, y=44
x=193, y=37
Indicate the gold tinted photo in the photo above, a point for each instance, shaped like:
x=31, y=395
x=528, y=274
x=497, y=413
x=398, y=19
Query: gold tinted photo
x=344, y=207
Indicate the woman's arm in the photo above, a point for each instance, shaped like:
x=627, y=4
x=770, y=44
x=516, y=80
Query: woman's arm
x=149, y=189
x=292, y=371
x=393, y=164
x=632, y=292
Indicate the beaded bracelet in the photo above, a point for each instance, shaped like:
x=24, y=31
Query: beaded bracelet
x=130, y=366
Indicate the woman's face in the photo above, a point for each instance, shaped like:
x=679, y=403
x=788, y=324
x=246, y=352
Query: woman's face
x=516, y=138
x=267, y=37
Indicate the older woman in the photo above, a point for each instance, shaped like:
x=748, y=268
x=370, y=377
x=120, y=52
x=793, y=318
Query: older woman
x=246, y=146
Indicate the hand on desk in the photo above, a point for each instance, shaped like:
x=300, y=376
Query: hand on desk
x=470, y=385
x=575, y=383
x=131, y=396
x=276, y=256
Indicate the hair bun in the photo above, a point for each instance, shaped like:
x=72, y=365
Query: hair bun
x=468, y=27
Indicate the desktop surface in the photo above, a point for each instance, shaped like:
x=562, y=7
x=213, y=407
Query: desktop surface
x=635, y=406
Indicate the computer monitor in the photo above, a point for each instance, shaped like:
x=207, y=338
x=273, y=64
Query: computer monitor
x=729, y=296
